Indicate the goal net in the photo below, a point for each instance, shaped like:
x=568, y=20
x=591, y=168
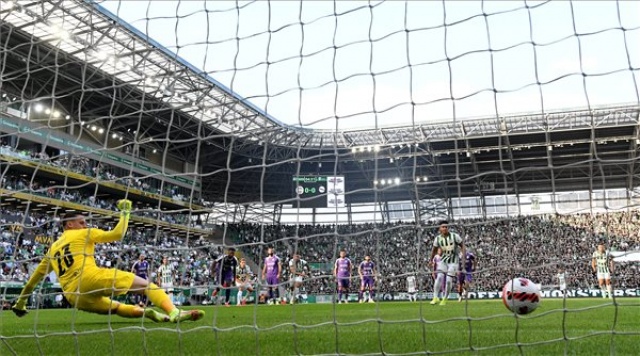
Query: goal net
x=325, y=146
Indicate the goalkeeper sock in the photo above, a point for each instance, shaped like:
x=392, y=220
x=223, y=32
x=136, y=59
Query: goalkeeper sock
x=227, y=295
x=360, y=295
x=129, y=311
x=159, y=298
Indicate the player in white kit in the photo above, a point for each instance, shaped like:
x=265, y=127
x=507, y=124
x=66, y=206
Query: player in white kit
x=298, y=269
x=165, y=275
x=562, y=281
x=437, y=276
x=602, y=265
x=412, y=288
x=244, y=281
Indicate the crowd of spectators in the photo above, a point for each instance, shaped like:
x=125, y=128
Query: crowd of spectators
x=52, y=190
x=21, y=249
x=104, y=172
x=531, y=246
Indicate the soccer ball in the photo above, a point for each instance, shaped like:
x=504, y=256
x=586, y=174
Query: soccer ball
x=521, y=296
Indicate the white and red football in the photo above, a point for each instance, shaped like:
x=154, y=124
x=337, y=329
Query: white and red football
x=521, y=295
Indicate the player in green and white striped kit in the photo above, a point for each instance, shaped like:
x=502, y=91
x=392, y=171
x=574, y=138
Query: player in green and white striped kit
x=602, y=264
x=452, y=247
x=298, y=269
x=165, y=275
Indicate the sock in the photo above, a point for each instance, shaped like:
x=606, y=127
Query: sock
x=437, y=286
x=129, y=311
x=603, y=288
x=276, y=292
x=610, y=289
x=270, y=293
x=227, y=295
x=449, y=284
x=296, y=293
x=372, y=293
x=360, y=295
x=339, y=295
x=239, y=297
x=159, y=298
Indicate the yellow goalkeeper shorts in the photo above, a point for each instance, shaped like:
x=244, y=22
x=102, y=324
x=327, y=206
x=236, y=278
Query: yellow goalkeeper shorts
x=91, y=293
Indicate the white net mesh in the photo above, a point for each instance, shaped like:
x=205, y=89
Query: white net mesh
x=316, y=127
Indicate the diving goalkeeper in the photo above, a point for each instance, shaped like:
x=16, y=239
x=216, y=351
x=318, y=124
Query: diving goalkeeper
x=88, y=287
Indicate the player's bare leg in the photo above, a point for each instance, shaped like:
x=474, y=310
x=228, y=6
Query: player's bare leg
x=372, y=294
x=249, y=290
x=603, y=288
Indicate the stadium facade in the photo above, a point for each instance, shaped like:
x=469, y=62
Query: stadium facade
x=96, y=87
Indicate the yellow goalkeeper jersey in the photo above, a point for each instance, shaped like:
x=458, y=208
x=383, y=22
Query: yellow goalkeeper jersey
x=73, y=253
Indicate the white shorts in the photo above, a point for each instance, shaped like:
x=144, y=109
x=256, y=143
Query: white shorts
x=244, y=285
x=563, y=287
x=450, y=269
x=168, y=287
x=296, y=279
x=604, y=275
x=411, y=290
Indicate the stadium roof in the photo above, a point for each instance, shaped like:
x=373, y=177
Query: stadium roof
x=105, y=71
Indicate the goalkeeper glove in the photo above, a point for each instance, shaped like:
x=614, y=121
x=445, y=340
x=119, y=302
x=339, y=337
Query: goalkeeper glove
x=19, y=309
x=124, y=205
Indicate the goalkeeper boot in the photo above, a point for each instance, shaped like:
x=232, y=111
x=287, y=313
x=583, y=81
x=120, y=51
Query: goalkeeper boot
x=19, y=311
x=434, y=301
x=156, y=316
x=178, y=316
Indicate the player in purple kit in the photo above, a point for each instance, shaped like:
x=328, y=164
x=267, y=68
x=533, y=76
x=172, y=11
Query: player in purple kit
x=271, y=272
x=468, y=266
x=141, y=269
x=342, y=272
x=226, y=267
x=367, y=272
x=438, y=277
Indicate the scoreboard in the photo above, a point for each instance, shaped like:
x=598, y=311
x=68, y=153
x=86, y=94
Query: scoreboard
x=319, y=191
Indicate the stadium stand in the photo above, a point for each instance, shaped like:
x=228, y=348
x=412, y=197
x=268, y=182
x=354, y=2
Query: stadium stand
x=498, y=243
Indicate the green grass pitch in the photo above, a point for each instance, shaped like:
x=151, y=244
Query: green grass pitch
x=393, y=328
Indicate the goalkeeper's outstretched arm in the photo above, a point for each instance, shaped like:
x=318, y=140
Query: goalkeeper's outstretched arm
x=120, y=230
x=20, y=307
